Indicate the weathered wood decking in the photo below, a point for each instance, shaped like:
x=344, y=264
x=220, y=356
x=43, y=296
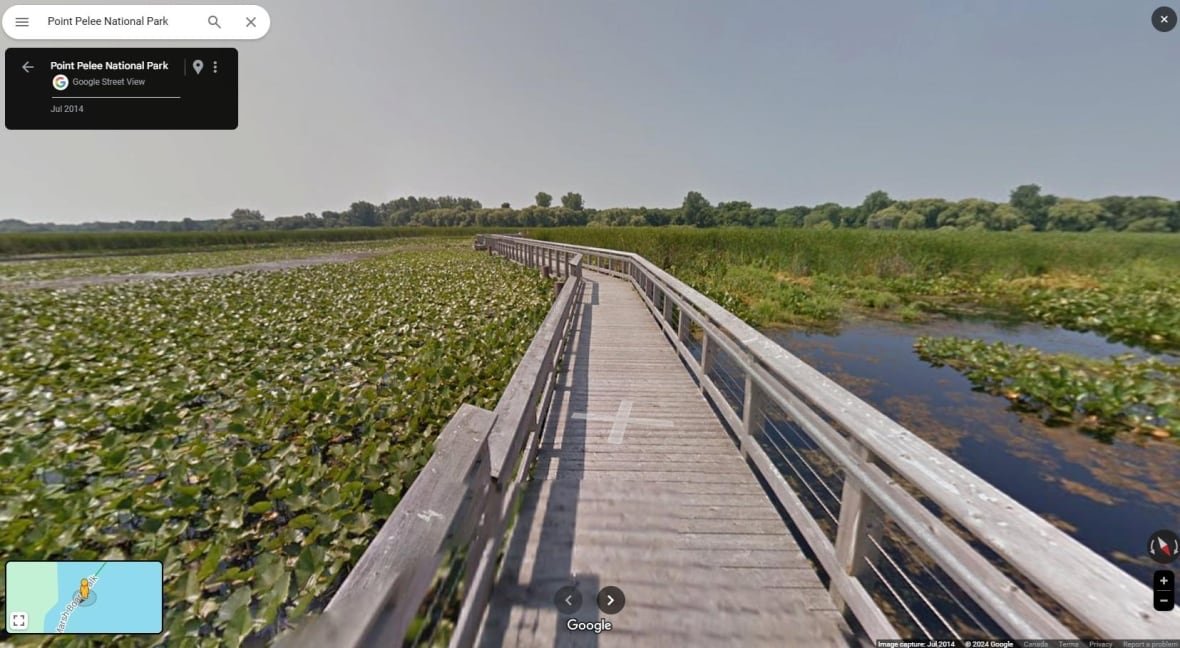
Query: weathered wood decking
x=638, y=485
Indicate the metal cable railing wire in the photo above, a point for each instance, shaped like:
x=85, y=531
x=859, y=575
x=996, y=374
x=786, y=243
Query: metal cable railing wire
x=724, y=379
x=773, y=424
x=951, y=596
x=823, y=491
x=900, y=601
x=798, y=474
x=770, y=429
x=914, y=588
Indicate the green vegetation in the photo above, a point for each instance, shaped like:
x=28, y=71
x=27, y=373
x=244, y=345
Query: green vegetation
x=45, y=243
x=253, y=430
x=106, y=264
x=1141, y=395
x=1027, y=209
x=1123, y=286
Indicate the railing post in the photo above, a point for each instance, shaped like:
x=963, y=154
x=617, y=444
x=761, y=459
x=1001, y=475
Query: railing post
x=683, y=326
x=706, y=358
x=752, y=407
x=667, y=307
x=861, y=523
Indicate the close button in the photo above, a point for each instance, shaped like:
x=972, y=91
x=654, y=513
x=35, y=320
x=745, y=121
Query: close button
x=1164, y=19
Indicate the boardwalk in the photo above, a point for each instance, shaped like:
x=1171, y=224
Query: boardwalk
x=638, y=485
x=619, y=472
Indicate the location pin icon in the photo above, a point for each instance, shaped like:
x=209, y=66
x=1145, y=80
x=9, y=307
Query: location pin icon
x=198, y=65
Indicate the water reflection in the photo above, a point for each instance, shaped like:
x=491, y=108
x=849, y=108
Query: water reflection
x=1110, y=496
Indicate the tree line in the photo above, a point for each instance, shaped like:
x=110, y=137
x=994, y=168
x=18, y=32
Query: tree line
x=1027, y=209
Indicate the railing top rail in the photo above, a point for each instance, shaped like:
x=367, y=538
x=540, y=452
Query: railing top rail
x=513, y=406
x=1098, y=592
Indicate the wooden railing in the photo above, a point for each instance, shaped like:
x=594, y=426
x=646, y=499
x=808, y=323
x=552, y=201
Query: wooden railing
x=888, y=474
x=442, y=542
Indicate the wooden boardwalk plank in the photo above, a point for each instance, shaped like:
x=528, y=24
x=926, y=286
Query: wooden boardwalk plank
x=662, y=506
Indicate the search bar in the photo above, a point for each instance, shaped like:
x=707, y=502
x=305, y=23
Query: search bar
x=136, y=22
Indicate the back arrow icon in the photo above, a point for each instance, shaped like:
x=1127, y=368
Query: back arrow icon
x=26, y=67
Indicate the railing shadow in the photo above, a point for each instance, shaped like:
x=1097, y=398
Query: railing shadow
x=552, y=566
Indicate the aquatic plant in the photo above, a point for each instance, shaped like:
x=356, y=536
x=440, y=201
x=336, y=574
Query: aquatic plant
x=252, y=431
x=1103, y=396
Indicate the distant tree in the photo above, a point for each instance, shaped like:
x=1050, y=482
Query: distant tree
x=572, y=201
x=1148, y=225
x=656, y=217
x=887, y=217
x=930, y=209
x=505, y=205
x=331, y=219
x=912, y=220
x=1150, y=207
x=827, y=212
x=1116, y=211
x=1005, y=217
x=544, y=199
x=764, y=216
x=247, y=219
x=791, y=216
x=695, y=210
x=966, y=213
x=364, y=214
x=1075, y=216
x=872, y=204
x=1027, y=200
x=738, y=212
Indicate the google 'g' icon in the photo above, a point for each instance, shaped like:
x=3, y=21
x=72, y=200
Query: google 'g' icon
x=61, y=82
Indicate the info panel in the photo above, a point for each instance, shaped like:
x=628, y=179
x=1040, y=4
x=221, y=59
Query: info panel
x=151, y=88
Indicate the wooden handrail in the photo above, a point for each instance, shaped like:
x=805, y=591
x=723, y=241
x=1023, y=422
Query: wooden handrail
x=461, y=500
x=859, y=439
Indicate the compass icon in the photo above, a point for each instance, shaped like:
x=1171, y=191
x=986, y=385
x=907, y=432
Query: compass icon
x=1164, y=546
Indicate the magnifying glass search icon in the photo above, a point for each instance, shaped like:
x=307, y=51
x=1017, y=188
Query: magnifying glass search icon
x=213, y=21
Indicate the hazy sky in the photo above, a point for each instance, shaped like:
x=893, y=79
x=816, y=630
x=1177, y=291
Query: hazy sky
x=635, y=102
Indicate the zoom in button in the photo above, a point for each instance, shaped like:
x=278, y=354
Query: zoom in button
x=1163, y=584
